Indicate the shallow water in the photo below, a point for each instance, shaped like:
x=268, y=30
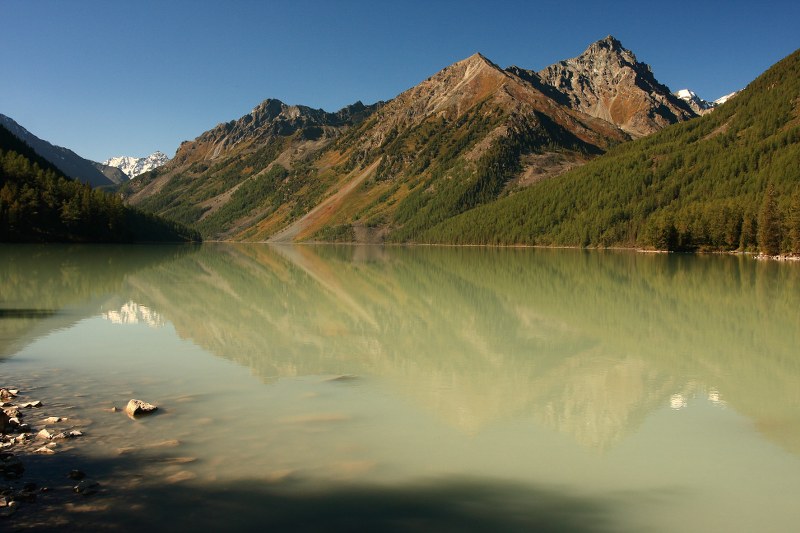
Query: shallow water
x=345, y=388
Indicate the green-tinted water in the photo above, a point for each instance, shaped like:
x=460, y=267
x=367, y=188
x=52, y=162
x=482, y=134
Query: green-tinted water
x=405, y=388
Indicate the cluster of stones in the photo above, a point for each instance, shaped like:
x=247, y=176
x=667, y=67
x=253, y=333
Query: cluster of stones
x=19, y=436
x=22, y=438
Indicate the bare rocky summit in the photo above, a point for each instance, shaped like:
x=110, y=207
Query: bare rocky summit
x=608, y=82
x=268, y=120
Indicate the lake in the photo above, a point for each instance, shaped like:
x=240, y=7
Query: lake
x=449, y=389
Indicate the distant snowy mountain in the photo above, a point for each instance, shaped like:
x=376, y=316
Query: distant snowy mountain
x=133, y=166
x=698, y=105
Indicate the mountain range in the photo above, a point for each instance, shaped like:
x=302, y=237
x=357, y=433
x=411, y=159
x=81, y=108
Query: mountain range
x=590, y=151
x=467, y=135
x=133, y=166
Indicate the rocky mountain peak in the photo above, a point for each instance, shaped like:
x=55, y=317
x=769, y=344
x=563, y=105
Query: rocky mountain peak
x=608, y=82
x=610, y=43
x=269, y=119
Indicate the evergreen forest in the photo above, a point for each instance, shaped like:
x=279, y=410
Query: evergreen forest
x=39, y=204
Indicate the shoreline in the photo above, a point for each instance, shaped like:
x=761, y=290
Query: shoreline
x=753, y=255
x=37, y=470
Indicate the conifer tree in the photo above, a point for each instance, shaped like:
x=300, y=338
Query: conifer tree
x=769, y=226
x=793, y=223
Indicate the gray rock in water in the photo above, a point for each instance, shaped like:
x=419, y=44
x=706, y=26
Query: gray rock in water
x=139, y=407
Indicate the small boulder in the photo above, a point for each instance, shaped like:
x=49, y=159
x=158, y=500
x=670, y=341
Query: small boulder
x=44, y=435
x=76, y=475
x=138, y=407
x=8, y=394
x=67, y=434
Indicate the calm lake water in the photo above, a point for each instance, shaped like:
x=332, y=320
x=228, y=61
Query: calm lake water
x=452, y=389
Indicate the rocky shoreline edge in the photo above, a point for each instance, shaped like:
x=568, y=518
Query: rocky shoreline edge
x=29, y=437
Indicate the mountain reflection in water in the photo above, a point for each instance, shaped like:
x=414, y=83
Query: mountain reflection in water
x=587, y=343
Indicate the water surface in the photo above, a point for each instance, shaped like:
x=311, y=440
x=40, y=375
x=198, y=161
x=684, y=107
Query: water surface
x=398, y=388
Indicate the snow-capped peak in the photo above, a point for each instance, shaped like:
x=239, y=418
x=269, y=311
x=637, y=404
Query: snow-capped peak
x=698, y=105
x=133, y=166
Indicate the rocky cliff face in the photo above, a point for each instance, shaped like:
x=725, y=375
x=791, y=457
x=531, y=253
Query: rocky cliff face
x=608, y=82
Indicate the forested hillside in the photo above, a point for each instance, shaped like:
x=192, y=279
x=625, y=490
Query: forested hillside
x=729, y=180
x=39, y=204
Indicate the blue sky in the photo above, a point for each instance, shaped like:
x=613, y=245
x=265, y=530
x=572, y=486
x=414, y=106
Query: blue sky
x=127, y=78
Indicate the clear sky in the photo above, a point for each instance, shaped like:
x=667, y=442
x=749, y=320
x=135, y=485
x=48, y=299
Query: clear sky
x=127, y=78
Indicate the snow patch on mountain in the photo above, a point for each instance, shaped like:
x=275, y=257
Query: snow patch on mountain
x=133, y=166
x=722, y=99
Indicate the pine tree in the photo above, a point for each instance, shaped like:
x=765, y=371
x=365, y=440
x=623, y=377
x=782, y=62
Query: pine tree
x=769, y=226
x=793, y=223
